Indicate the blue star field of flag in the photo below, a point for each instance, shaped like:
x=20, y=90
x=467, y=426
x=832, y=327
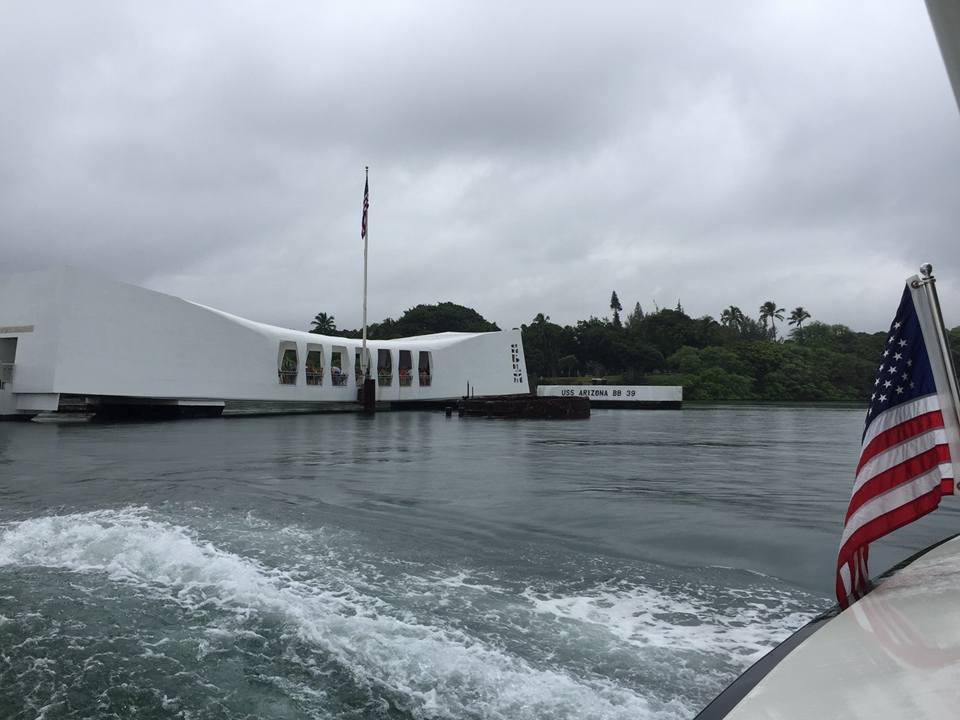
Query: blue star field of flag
x=904, y=373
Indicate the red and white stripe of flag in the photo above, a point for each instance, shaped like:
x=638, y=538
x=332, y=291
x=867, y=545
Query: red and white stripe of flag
x=903, y=472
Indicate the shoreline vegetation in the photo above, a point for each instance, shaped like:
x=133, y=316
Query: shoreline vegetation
x=777, y=357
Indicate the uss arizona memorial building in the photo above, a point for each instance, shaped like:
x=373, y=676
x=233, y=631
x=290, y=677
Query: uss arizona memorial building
x=69, y=339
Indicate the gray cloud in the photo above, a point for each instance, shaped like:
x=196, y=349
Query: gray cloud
x=527, y=158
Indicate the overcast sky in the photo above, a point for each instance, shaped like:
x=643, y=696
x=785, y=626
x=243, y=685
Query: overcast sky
x=524, y=157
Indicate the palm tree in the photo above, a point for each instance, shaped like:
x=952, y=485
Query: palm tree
x=323, y=324
x=770, y=311
x=732, y=317
x=797, y=317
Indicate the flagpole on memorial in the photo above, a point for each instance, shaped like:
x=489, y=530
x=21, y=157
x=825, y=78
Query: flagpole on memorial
x=366, y=239
x=368, y=393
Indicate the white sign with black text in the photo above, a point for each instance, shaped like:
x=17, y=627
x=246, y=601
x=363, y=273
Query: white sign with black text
x=616, y=393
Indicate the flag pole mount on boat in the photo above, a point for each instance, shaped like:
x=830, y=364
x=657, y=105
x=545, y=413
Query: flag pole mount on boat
x=926, y=276
x=944, y=371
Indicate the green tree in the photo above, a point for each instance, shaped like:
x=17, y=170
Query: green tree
x=725, y=359
x=594, y=345
x=616, y=307
x=803, y=374
x=323, y=324
x=544, y=344
x=635, y=317
x=669, y=330
x=841, y=339
x=732, y=317
x=442, y=317
x=568, y=365
x=797, y=317
x=751, y=329
x=427, y=320
x=761, y=358
x=383, y=330
x=770, y=312
x=634, y=356
x=686, y=360
x=717, y=384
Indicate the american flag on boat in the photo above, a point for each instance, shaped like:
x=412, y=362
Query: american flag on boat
x=905, y=462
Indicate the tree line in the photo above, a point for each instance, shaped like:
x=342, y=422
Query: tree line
x=737, y=357
x=419, y=320
x=776, y=356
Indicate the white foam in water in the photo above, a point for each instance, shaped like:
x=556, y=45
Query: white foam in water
x=645, y=617
x=427, y=670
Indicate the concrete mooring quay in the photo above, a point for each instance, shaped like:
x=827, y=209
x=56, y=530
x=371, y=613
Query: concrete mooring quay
x=526, y=406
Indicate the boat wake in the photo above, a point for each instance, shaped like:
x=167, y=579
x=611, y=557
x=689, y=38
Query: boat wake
x=119, y=609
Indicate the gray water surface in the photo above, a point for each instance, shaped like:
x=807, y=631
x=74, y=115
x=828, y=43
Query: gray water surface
x=415, y=566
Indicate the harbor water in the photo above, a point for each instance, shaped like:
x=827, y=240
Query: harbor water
x=409, y=565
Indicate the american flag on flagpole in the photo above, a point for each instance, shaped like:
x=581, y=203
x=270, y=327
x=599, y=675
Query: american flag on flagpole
x=366, y=207
x=905, y=458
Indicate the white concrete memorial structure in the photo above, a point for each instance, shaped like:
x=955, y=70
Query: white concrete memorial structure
x=70, y=339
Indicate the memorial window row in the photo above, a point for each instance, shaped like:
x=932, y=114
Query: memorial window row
x=391, y=367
